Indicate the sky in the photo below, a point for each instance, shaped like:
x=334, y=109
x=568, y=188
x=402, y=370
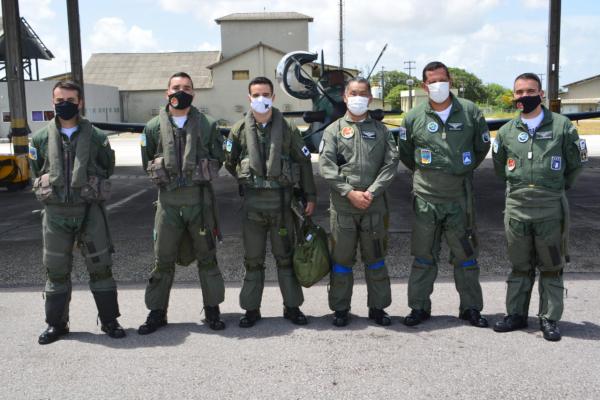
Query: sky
x=494, y=39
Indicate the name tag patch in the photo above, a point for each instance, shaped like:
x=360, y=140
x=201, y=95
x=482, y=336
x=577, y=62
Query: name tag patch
x=368, y=135
x=467, y=159
x=523, y=137
x=545, y=135
x=402, y=133
x=556, y=163
x=425, y=156
x=455, y=126
x=433, y=127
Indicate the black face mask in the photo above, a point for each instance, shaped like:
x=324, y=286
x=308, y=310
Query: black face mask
x=529, y=103
x=180, y=100
x=66, y=110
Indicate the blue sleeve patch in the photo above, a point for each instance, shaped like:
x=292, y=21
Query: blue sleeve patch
x=33, y=153
x=305, y=151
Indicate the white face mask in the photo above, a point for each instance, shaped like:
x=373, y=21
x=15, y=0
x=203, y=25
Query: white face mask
x=357, y=105
x=261, y=104
x=439, y=91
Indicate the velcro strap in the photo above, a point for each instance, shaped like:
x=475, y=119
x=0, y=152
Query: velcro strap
x=341, y=269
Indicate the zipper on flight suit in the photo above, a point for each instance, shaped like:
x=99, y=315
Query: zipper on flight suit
x=68, y=169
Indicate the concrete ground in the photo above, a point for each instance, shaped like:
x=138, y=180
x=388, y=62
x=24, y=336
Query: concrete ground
x=443, y=358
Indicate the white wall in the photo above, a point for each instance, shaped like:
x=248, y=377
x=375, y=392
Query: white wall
x=102, y=104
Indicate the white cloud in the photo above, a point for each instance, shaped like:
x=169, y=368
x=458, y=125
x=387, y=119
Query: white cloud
x=112, y=34
x=206, y=46
x=536, y=4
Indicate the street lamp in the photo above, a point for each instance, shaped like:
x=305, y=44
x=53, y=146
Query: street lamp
x=410, y=84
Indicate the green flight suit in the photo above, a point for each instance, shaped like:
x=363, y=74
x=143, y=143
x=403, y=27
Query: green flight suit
x=268, y=161
x=185, y=210
x=69, y=217
x=538, y=167
x=358, y=156
x=443, y=157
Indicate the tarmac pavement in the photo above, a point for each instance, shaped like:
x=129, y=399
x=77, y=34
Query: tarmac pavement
x=443, y=358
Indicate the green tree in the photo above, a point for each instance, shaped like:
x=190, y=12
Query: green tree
x=469, y=85
x=391, y=80
x=393, y=96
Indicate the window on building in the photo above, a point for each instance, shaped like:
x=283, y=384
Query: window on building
x=240, y=75
x=48, y=115
x=37, y=116
x=5, y=117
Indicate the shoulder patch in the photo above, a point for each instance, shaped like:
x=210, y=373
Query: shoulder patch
x=402, y=133
x=495, y=145
x=583, y=152
x=32, y=153
x=347, y=132
x=485, y=137
x=321, y=146
x=306, y=151
x=228, y=145
x=105, y=142
x=143, y=140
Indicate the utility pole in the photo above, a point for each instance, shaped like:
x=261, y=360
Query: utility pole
x=341, y=34
x=410, y=82
x=553, y=55
x=541, y=75
x=75, y=45
x=382, y=87
x=14, y=77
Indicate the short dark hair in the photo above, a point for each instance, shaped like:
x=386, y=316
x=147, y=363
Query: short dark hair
x=432, y=66
x=261, y=80
x=358, y=79
x=180, y=75
x=531, y=76
x=69, y=85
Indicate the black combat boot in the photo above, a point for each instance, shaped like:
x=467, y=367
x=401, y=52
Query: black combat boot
x=416, y=317
x=249, y=319
x=550, y=330
x=511, y=323
x=474, y=317
x=341, y=318
x=58, y=323
x=213, y=317
x=108, y=311
x=380, y=316
x=295, y=315
x=155, y=320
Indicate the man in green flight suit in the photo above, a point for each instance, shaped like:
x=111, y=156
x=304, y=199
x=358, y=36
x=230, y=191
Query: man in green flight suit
x=267, y=155
x=442, y=141
x=539, y=154
x=359, y=160
x=71, y=162
x=183, y=151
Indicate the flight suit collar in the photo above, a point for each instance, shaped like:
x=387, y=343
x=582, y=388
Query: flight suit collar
x=548, y=119
x=348, y=119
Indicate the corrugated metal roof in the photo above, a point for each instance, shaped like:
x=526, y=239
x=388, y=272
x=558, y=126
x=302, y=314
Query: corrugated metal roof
x=265, y=16
x=149, y=71
x=579, y=82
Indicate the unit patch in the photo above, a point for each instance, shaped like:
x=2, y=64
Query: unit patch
x=425, y=156
x=433, y=127
x=321, y=146
x=495, y=146
x=511, y=164
x=545, y=135
x=523, y=137
x=455, y=126
x=485, y=137
x=105, y=143
x=347, y=132
x=306, y=151
x=556, y=163
x=143, y=140
x=402, y=133
x=32, y=153
x=368, y=135
x=228, y=145
x=467, y=159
